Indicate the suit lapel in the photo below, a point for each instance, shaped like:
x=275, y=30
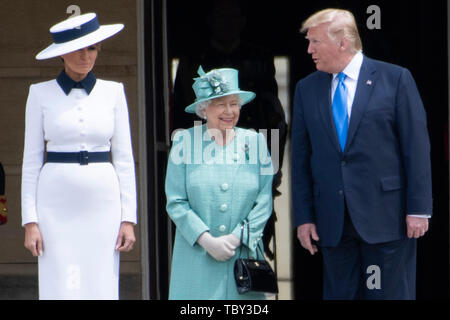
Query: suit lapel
x=366, y=82
x=324, y=100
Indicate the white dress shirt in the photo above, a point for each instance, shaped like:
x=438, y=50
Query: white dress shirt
x=352, y=73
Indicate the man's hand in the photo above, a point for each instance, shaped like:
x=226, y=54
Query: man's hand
x=416, y=227
x=304, y=233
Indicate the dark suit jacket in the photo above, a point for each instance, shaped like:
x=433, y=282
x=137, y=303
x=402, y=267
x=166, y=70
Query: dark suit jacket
x=384, y=172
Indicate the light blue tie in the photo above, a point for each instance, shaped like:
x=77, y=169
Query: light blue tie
x=339, y=107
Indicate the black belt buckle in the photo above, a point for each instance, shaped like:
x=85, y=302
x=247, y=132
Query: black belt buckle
x=83, y=158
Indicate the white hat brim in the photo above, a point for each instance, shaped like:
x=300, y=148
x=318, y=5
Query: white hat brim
x=58, y=49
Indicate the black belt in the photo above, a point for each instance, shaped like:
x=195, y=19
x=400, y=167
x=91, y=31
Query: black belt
x=82, y=157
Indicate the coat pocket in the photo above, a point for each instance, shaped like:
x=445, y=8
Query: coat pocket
x=391, y=183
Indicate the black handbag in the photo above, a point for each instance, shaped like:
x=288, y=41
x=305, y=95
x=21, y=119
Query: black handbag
x=254, y=274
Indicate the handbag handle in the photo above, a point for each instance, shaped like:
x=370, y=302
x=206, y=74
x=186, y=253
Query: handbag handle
x=258, y=248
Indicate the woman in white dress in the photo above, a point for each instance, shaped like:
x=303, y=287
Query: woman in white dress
x=78, y=206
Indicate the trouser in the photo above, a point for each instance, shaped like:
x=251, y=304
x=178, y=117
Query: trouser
x=355, y=269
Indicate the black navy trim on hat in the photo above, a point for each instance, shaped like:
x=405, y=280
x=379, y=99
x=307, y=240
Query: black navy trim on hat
x=67, y=84
x=75, y=33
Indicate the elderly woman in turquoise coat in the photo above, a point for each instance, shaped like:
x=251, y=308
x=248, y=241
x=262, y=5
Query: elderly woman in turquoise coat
x=219, y=178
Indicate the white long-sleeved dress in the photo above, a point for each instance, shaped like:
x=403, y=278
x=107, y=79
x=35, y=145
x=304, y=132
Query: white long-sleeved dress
x=78, y=208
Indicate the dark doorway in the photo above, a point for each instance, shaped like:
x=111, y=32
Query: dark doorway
x=411, y=35
x=157, y=148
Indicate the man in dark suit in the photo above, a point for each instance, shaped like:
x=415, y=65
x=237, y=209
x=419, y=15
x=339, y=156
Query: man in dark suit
x=361, y=173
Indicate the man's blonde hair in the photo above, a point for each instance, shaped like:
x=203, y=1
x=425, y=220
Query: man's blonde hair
x=342, y=24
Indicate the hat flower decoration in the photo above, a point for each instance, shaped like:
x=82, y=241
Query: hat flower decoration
x=215, y=80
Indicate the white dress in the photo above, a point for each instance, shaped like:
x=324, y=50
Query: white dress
x=78, y=208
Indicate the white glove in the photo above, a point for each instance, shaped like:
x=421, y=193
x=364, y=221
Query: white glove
x=220, y=248
x=233, y=240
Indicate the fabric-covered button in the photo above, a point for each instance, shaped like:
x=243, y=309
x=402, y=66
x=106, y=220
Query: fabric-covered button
x=224, y=207
x=222, y=228
x=224, y=186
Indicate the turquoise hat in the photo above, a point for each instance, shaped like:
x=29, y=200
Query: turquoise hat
x=215, y=84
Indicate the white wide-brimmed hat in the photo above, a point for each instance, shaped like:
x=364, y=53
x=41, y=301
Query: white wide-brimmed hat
x=76, y=33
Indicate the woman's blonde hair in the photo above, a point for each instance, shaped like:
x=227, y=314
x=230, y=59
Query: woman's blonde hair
x=342, y=24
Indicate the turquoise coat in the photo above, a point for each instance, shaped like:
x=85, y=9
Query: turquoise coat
x=214, y=188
